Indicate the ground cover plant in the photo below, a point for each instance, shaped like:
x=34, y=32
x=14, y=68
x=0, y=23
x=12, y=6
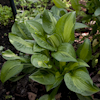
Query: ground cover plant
x=5, y=15
x=47, y=55
x=50, y=58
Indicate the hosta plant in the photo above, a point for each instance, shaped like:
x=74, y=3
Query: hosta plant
x=48, y=54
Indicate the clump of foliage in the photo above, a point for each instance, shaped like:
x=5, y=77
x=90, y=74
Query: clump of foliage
x=30, y=8
x=48, y=54
x=5, y=15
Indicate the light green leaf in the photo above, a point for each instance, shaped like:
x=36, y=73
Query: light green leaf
x=49, y=22
x=40, y=60
x=9, y=55
x=80, y=25
x=21, y=30
x=10, y=69
x=58, y=80
x=81, y=97
x=34, y=26
x=65, y=53
x=65, y=27
x=20, y=44
x=1, y=48
x=46, y=97
x=43, y=77
x=75, y=65
x=84, y=52
x=80, y=82
x=42, y=42
x=75, y=5
x=97, y=12
x=59, y=3
x=55, y=40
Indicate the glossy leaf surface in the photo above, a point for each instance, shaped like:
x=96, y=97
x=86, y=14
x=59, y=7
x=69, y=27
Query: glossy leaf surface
x=65, y=53
x=10, y=69
x=20, y=44
x=49, y=22
x=40, y=60
x=21, y=30
x=9, y=55
x=42, y=42
x=75, y=65
x=80, y=82
x=84, y=52
x=43, y=77
x=34, y=26
x=65, y=27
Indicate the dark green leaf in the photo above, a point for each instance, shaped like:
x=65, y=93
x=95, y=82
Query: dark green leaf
x=75, y=5
x=97, y=12
x=80, y=82
x=84, y=52
x=46, y=97
x=58, y=80
x=10, y=69
x=43, y=77
x=59, y=3
x=49, y=22
x=65, y=53
x=42, y=42
x=81, y=97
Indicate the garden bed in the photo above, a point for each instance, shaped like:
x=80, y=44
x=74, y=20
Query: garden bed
x=31, y=90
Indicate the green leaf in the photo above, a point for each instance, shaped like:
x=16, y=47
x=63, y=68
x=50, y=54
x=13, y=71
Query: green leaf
x=10, y=69
x=46, y=97
x=80, y=82
x=74, y=65
x=42, y=42
x=43, y=77
x=49, y=22
x=40, y=60
x=75, y=5
x=34, y=26
x=37, y=48
x=65, y=53
x=9, y=55
x=59, y=3
x=21, y=30
x=20, y=44
x=55, y=40
x=84, y=52
x=58, y=80
x=81, y=97
x=65, y=27
x=80, y=25
x=97, y=12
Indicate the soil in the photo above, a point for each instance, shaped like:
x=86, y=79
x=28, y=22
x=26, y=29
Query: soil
x=31, y=90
